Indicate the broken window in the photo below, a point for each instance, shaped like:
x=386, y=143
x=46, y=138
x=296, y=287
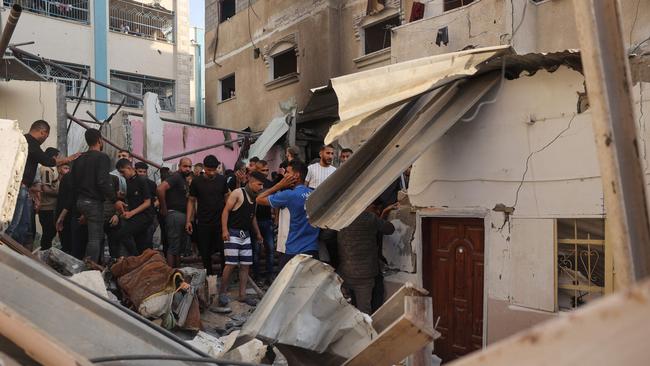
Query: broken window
x=227, y=9
x=285, y=63
x=141, y=84
x=377, y=36
x=227, y=87
x=453, y=4
x=72, y=82
x=584, y=265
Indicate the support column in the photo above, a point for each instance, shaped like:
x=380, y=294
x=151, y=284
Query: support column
x=100, y=69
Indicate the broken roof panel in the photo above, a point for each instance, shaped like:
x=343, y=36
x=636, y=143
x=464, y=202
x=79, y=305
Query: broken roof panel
x=395, y=146
x=272, y=133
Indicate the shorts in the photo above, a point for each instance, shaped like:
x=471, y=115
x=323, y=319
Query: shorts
x=238, y=249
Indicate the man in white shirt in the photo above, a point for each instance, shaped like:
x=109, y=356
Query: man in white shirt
x=318, y=172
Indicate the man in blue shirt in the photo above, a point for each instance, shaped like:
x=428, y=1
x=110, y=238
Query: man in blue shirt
x=292, y=193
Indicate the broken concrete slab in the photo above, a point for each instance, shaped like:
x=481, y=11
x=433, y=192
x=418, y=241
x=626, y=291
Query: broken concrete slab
x=62, y=262
x=305, y=308
x=12, y=159
x=92, y=280
x=253, y=351
x=207, y=343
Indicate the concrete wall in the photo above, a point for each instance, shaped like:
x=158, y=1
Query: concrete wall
x=480, y=164
x=28, y=101
x=137, y=55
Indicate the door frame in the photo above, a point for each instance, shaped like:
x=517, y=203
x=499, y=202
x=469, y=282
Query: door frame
x=471, y=213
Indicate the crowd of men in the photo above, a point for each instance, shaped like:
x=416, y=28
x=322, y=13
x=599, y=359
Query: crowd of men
x=92, y=204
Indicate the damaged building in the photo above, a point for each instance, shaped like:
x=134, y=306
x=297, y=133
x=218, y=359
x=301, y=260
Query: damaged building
x=504, y=219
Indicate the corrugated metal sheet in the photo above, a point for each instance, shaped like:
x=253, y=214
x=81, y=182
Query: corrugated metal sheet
x=396, y=145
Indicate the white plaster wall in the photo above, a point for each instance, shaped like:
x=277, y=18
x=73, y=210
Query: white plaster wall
x=479, y=164
x=56, y=39
x=28, y=101
x=138, y=55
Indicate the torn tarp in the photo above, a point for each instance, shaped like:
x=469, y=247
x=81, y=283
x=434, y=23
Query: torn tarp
x=305, y=308
x=395, y=146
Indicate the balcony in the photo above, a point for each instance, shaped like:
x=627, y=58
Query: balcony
x=141, y=84
x=140, y=20
x=75, y=10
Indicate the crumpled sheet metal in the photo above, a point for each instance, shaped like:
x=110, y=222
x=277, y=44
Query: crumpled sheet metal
x=395, y=146
x=142, y=276
x=362, y=95
x=305, y=308
x=13, y=155
x=272, y=133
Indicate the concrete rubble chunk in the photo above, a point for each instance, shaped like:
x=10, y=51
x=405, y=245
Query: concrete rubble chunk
x=304, y=308
x=252, y=352
x=13, y=155
x=62, y=262
x=92, y=280
x=209, y=344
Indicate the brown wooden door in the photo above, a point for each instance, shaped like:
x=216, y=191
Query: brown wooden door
x=453, y=274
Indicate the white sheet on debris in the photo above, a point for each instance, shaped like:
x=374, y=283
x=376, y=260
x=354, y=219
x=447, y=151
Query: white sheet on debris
x=91, y=280
x=13, y=155
x=305, y=308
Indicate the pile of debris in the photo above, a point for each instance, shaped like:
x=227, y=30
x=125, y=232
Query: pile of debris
x=171, y=298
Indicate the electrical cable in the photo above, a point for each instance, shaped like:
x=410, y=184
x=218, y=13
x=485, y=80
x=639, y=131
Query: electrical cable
x=214, y=361
x=496, y=94
x=250, y=34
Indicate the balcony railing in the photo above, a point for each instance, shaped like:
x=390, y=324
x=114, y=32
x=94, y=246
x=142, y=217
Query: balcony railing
x=76, y=10
x=147, y=21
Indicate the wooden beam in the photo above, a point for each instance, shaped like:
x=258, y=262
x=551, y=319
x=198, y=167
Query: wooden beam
x=41, y=347
x=607, y=77
x=393, y=308
x=407, y=335
x=609, y=331
x=421, y=307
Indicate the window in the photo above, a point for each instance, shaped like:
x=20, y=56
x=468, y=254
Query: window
x=377, y=36
x=141, y=84
x=227, y=87
x=73, y=83
x=285, y=63
x=453, y=4
x=227, y=10
x=147, y=21
x=584, y=264
x=76, y=10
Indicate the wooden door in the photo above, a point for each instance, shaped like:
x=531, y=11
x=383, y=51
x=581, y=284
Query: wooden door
x=453, y=274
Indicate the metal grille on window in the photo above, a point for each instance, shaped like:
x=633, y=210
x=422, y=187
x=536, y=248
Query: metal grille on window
x=141, y=84
x=584, y=266
x=138, y=19
x=73, y=83
x=76, y=10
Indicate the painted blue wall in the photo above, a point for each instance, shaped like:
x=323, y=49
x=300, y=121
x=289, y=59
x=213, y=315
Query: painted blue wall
x=100, y=26
x=199, y=75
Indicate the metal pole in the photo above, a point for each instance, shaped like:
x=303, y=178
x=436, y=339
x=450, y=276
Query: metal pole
x=172, y=120
x=8, y=31
x=77, y=105
x=81, y=75
x=84, y=125
x=92, y=100
x=202, y=149
x=607, y=76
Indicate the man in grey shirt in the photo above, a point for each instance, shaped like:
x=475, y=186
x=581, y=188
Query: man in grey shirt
x=359, y=253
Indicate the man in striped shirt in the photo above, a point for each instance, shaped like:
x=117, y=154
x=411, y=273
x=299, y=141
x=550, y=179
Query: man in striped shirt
x=318, y=172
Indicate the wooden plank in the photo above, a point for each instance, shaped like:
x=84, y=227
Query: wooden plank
x=609, y=331
x=16, y=246
x=393, y=308
x=37, y=344
x=407, y=335
x=421, y=307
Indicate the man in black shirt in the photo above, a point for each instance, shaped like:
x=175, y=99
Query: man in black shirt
x=265, y=223
x=238, y=177
x=142, y=169
x=20, y=226
x=207, y=191
x=138, y=214
x=172, y=198
x=92, y=186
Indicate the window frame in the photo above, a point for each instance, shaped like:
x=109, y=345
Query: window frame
x=220, y=85
x=365, y=27
x=282, y=52
x=222, y=18
x=608, y=281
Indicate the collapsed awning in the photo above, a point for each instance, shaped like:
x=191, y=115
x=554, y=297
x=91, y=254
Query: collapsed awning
x=427, y=96
x=272, y=133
